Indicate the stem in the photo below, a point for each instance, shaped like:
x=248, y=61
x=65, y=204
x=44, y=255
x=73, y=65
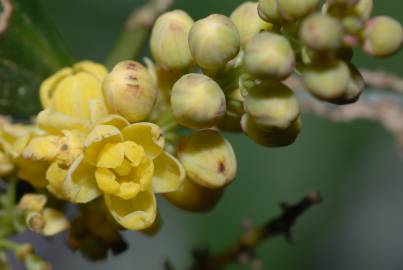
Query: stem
x=136, y=30
x=9, y=245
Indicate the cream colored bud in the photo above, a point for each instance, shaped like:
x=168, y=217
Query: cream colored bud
x=248, y=22
x=383, y=36
x=268, y=11
x=363, y=9
x=208, y=158
x=354, y=88
x=272, y=105
x=197, y=101
x=169, y=40
x=292, y=10
x=321, y=32
x=328, y=80
x=269, y=55
x=274, y=137
x=194, y=197
x=214, y=41
x=129, y=91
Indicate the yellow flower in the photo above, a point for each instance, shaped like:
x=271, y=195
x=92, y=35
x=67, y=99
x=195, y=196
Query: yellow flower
x=76, y=92
x=124, y=163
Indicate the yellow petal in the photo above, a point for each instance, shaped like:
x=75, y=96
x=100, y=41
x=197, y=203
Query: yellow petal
x=80, y=185
x=6, y=165
x=73, y=95
x=32, y=171
x=124, y=169
x=169, y=173
x=97, y=70
x=106, y=181
x=54, y=122
x=56, y=176
x=143, y=173
x=55, y=222
x=114, y=120
x=128, y=190
x=133, y=152
x=42, y=148
x=111, y=155
x=135, y=214
x=97, y=138
x=148, y=135
x=49, y=85
x=32, y=202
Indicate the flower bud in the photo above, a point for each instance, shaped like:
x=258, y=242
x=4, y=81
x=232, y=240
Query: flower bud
x=169, y=40
x=75, y=91
x=208, y=158
x=214, y=41
x=194, y=197
x=197, y=101
x=321, y=32
x=354, y=88
x=129, y=91
x=274, y=137
x=272, y=105
x=292, y=10
x=248, y=22
x=363, y=9
x=342, y=2
x=269, y=55
x=327, y=80
x=232, y=118
x=383, y=36
x=268, y=11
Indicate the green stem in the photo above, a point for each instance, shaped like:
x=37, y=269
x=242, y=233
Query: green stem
x=6, y=244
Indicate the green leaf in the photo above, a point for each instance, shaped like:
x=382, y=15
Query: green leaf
x=31, y=49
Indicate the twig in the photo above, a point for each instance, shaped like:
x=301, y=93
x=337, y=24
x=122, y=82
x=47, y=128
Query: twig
x=243, y=250
x=135, y=32
x=5, y=15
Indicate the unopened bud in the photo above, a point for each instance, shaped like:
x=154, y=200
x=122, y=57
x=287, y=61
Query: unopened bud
x=169, y=40
x=292, y=10
x=327, y=80
x=197, y=101
x=272, y=105
x=383, y=36
x=321, y=32
x=208, y=158
x=214, y=41
x=342, y=2
x=248, y=22
x=354, y=88
x=363, y=9
x=194, y=197
x=273, y=137
x=269, y=55
x=129, y=91
x=268, y=11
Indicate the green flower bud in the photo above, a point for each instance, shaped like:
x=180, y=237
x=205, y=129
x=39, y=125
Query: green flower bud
x=194, y=197
x=269, y=55
x=342, y=2
x=383, y=36
x=272, y=105
x=248, y=22
x=197, y=101
x=273, y=137
x=321, y=32
x=327, y=80
x=214, y=41
x=292, y=10
x=169, y=40
x=208, y=158
x=235, y=109
x=363, y=9
x=268, y=11
x=354, y=88
x=129, y=91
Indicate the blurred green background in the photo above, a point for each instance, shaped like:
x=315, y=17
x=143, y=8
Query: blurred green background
x=356, y=166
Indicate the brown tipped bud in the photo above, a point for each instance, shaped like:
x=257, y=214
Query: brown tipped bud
x=129, y=91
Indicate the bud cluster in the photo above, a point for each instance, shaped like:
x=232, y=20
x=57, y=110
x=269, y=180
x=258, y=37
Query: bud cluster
x=233, y=76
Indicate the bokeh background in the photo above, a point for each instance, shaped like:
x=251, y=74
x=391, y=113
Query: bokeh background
x=356, y=166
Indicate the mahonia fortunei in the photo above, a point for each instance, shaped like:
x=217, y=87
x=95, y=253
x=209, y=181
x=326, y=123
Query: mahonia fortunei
x=115, y=134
